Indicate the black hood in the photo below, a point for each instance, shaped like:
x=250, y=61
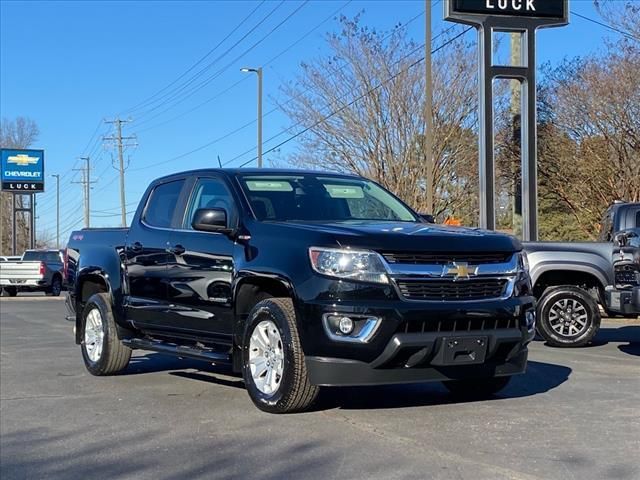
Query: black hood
x=410, y=236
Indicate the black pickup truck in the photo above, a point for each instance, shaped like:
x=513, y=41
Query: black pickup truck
x=301, y=280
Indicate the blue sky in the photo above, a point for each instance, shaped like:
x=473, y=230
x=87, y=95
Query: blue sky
x=70, y=65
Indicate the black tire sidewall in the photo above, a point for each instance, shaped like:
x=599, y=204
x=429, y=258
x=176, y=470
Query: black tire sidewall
x=573, y=293
x=269, y=310
x=52, y=290
x=97, y=301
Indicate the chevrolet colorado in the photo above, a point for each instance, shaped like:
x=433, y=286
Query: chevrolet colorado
x=300, y=280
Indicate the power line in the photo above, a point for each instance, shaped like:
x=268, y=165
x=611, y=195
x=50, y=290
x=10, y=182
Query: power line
x=605, y=25
x=244, y=79
x=246, y=125
x=234, y=30
x=177, y=91
x=324, y=119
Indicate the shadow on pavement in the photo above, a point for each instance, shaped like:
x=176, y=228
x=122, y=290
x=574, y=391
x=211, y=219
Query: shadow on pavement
x=629, y=334
x=540, y=377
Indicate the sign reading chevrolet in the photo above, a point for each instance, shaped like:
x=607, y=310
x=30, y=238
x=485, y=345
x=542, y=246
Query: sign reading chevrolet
x=22, y=170
x=515, y=8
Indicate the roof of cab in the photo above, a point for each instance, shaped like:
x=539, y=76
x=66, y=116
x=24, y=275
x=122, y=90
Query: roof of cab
x=232, y=172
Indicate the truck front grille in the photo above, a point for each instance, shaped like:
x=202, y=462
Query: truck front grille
x=456, y=325
x=448, y=290
x=444, y=258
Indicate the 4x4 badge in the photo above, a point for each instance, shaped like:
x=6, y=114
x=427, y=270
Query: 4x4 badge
x=460, y=270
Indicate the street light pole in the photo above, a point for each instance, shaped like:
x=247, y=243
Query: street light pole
x=258, y=71
x=57, y=177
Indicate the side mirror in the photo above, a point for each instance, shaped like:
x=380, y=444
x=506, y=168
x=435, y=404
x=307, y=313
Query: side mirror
x=210, y=220
x=427, y=218
x=622, y=239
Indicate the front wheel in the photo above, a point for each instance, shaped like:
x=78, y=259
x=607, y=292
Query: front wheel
x=273, y=363
x=102, y=350
x=477, y=388
x=568, y=316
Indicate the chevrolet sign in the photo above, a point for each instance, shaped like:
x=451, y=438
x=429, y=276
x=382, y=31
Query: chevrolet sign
x=22, y=170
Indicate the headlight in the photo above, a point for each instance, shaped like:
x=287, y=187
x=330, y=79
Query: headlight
x=349, y=264
x=523, y=262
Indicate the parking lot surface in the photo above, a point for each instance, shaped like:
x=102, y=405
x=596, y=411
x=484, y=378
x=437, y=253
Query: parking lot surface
x=574, y=415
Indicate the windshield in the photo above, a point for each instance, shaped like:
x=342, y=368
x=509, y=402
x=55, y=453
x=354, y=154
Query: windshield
x=310, y=197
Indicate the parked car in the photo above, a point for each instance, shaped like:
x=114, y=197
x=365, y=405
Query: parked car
x=571, y=279
x=36, y=270
x=300, y=280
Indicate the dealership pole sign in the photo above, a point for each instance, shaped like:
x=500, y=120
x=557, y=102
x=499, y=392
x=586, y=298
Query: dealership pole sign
x=524, y=18
x=22, y=171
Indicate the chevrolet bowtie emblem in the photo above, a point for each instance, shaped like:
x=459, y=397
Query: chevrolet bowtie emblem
x=22, y=159
x=459, y=270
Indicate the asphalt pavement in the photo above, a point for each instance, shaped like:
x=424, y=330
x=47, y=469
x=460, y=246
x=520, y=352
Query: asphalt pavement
x=575, y=414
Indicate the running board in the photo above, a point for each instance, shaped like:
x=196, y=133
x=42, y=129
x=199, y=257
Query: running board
x=178, y=350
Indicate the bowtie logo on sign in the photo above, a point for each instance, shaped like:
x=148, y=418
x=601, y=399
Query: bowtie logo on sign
x=23, y=159
x=22, y=170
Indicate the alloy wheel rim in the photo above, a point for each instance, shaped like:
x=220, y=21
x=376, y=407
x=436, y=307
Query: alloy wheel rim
x=266, y=357
x=93, y=335
x=568, y=317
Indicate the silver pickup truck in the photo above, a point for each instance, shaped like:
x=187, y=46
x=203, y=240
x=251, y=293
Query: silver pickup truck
x=37, y=270
x=571, y=280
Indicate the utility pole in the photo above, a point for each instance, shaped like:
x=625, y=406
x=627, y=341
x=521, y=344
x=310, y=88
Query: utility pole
x=118, y=138
x=57, y=177
x=86, y=189
x=516, y=119
x=428, y=109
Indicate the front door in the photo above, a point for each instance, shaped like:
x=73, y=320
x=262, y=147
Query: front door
x=200, y=269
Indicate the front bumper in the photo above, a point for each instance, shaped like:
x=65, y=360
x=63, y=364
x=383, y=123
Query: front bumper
x=411, y=358
x=623, y=301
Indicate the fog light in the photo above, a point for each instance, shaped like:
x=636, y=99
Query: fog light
x=346, y=325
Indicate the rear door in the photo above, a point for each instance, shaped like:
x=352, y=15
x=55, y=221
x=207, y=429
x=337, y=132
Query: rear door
x=146, y=255
x=201, y=266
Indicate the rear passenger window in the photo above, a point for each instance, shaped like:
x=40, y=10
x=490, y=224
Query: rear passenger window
x=162, y=204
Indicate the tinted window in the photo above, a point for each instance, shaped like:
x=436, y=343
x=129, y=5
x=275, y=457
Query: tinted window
x=211, y=193
x=162, y=204
x=638, y=219
x=47, y=257
x=311, y=197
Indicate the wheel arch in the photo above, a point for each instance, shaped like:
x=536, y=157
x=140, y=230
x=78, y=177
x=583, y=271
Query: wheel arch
x=582, y=276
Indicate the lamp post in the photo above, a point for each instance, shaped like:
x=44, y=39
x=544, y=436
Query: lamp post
x=258, y=71
x=57, y=177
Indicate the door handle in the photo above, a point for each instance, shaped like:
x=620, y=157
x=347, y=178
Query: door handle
x=177, y=250
x=136, y=247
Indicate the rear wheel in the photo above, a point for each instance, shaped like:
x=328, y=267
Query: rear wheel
x=102, y=350
x=568, y=316
x=56, y=287
x=477, y=388
x=273, y=364
x=11, y=291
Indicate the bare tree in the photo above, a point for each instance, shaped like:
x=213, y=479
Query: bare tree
x=19, y=133
x=363, y=107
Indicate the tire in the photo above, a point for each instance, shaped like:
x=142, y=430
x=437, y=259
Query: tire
x=276, y=318
x=477, y=388
x=581, y=313
x=113, y=356
x=55, y=288
x=11, y=291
